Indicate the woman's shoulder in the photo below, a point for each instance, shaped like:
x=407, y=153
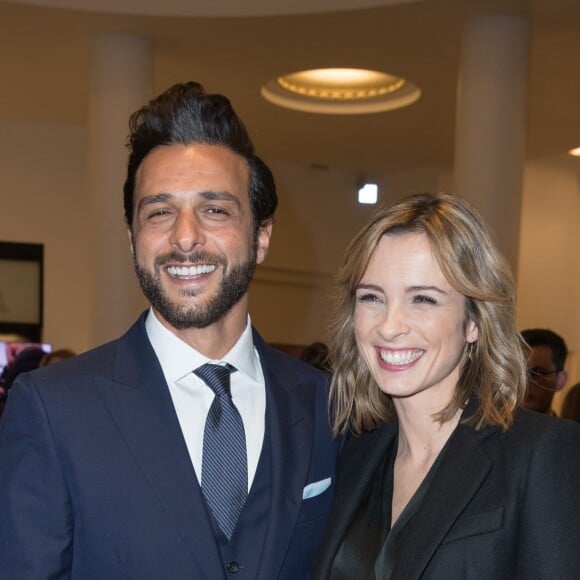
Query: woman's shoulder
x=384, y=432
x=543, y=435
x=359, y=450
x=531, y=423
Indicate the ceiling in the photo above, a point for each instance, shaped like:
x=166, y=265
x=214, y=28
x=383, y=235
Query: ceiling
x=45, y=62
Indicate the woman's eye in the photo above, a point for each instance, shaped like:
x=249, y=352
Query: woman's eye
x=367, y=297
x=423, y=299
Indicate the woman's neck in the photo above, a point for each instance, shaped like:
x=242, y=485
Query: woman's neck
x=421, y=437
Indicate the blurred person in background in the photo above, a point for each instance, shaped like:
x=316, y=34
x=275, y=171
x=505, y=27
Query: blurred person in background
x=571, y=405
x=27, y=359
x=56, y=356
x=545, y=367
x=316, y=354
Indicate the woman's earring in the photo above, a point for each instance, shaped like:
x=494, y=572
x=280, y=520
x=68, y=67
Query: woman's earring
x=470, y=349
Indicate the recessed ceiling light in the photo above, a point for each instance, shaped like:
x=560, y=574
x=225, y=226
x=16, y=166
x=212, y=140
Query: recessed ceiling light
x=341, y=91
x=575, y=152
x=368, y=193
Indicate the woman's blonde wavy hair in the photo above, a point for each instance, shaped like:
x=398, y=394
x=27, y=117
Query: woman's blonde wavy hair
x=494, y=368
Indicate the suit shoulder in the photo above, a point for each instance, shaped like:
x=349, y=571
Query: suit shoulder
x=74, y=374
x=98, y=361
x=91, y=361
x=285, y=363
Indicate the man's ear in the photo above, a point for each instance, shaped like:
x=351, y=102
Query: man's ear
x=131, y=241
x=264, y=234
x=561, y=379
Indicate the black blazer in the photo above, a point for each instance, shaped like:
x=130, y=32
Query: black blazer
x=501, y=506
x=96, y=482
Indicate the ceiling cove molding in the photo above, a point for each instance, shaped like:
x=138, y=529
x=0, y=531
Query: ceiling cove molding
x=213, y=8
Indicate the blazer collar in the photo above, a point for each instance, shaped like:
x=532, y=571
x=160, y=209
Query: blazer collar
x=461, y=473
x=357, y=466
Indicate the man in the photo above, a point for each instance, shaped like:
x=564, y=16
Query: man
x=118, y=463
x=546, y=368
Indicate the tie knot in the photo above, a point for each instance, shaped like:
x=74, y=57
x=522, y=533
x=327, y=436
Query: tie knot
x=216, y=377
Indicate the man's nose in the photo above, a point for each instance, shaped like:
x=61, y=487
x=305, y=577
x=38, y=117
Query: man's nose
x=187, y=232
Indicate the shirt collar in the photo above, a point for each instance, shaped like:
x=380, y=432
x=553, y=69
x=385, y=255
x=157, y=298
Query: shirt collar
x=178, y=359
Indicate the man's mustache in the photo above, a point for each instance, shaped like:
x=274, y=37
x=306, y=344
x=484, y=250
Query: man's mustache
x=197, y=257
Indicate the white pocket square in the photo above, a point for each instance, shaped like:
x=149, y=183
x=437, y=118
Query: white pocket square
x=316, y=488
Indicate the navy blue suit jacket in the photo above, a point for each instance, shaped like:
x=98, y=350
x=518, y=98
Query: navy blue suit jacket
x=96, y=481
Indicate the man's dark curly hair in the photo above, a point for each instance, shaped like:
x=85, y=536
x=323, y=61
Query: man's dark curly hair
x=186, y=114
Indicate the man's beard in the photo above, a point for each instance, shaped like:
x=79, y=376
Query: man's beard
x=233, y=286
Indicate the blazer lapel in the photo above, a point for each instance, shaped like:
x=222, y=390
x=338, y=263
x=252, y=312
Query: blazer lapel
x=139, y=402
x=463, y=469
x=356, y=468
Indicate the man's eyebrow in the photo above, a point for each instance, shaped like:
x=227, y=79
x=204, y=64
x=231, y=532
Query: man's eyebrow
x=221, y=196
x=207, y=195
x=151, y=199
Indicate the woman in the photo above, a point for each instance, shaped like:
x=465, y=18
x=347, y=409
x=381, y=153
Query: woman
x=441, y=477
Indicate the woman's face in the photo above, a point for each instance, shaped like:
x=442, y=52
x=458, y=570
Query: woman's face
x=410, y=324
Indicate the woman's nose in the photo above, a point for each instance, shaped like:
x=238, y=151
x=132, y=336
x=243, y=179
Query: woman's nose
x=394, y=323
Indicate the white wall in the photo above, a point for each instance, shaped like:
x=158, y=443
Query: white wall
x=317, y=216
x=42, y=170
x=549, y=260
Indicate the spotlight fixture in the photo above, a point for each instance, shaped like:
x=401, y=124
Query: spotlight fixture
x=575, y=152
x=340, y=91
x=368, y=193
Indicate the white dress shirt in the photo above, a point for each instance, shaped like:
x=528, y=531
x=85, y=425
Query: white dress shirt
x=192, y=398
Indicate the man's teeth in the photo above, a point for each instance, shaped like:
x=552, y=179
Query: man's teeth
x=400, y=357
x=190, y=270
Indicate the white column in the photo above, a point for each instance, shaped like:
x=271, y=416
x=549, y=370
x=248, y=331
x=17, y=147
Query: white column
x=121, y=82
x=491, y=122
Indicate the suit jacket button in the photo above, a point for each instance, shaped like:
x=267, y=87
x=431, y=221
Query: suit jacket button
x=233, y=567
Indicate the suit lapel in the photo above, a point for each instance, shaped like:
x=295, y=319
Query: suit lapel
x=139, y=402
x=290, y=423
x=460, y=474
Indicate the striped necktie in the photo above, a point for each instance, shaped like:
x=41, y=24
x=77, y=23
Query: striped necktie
x=224, y=470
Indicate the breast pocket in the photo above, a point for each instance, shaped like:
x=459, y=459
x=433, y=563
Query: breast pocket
x=316, y=506
x=476, y=524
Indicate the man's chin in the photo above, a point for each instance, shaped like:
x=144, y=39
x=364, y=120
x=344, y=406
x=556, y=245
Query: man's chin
x=183, y=317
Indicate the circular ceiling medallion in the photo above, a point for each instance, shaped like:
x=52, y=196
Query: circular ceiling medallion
x=341, y=91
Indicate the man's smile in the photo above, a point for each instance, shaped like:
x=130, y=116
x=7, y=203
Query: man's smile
x=190, y=271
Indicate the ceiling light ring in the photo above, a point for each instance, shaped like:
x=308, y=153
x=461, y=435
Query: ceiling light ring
x=340, y=91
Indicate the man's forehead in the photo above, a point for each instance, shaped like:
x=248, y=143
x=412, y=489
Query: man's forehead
x=180, y=162
x=541, y=357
